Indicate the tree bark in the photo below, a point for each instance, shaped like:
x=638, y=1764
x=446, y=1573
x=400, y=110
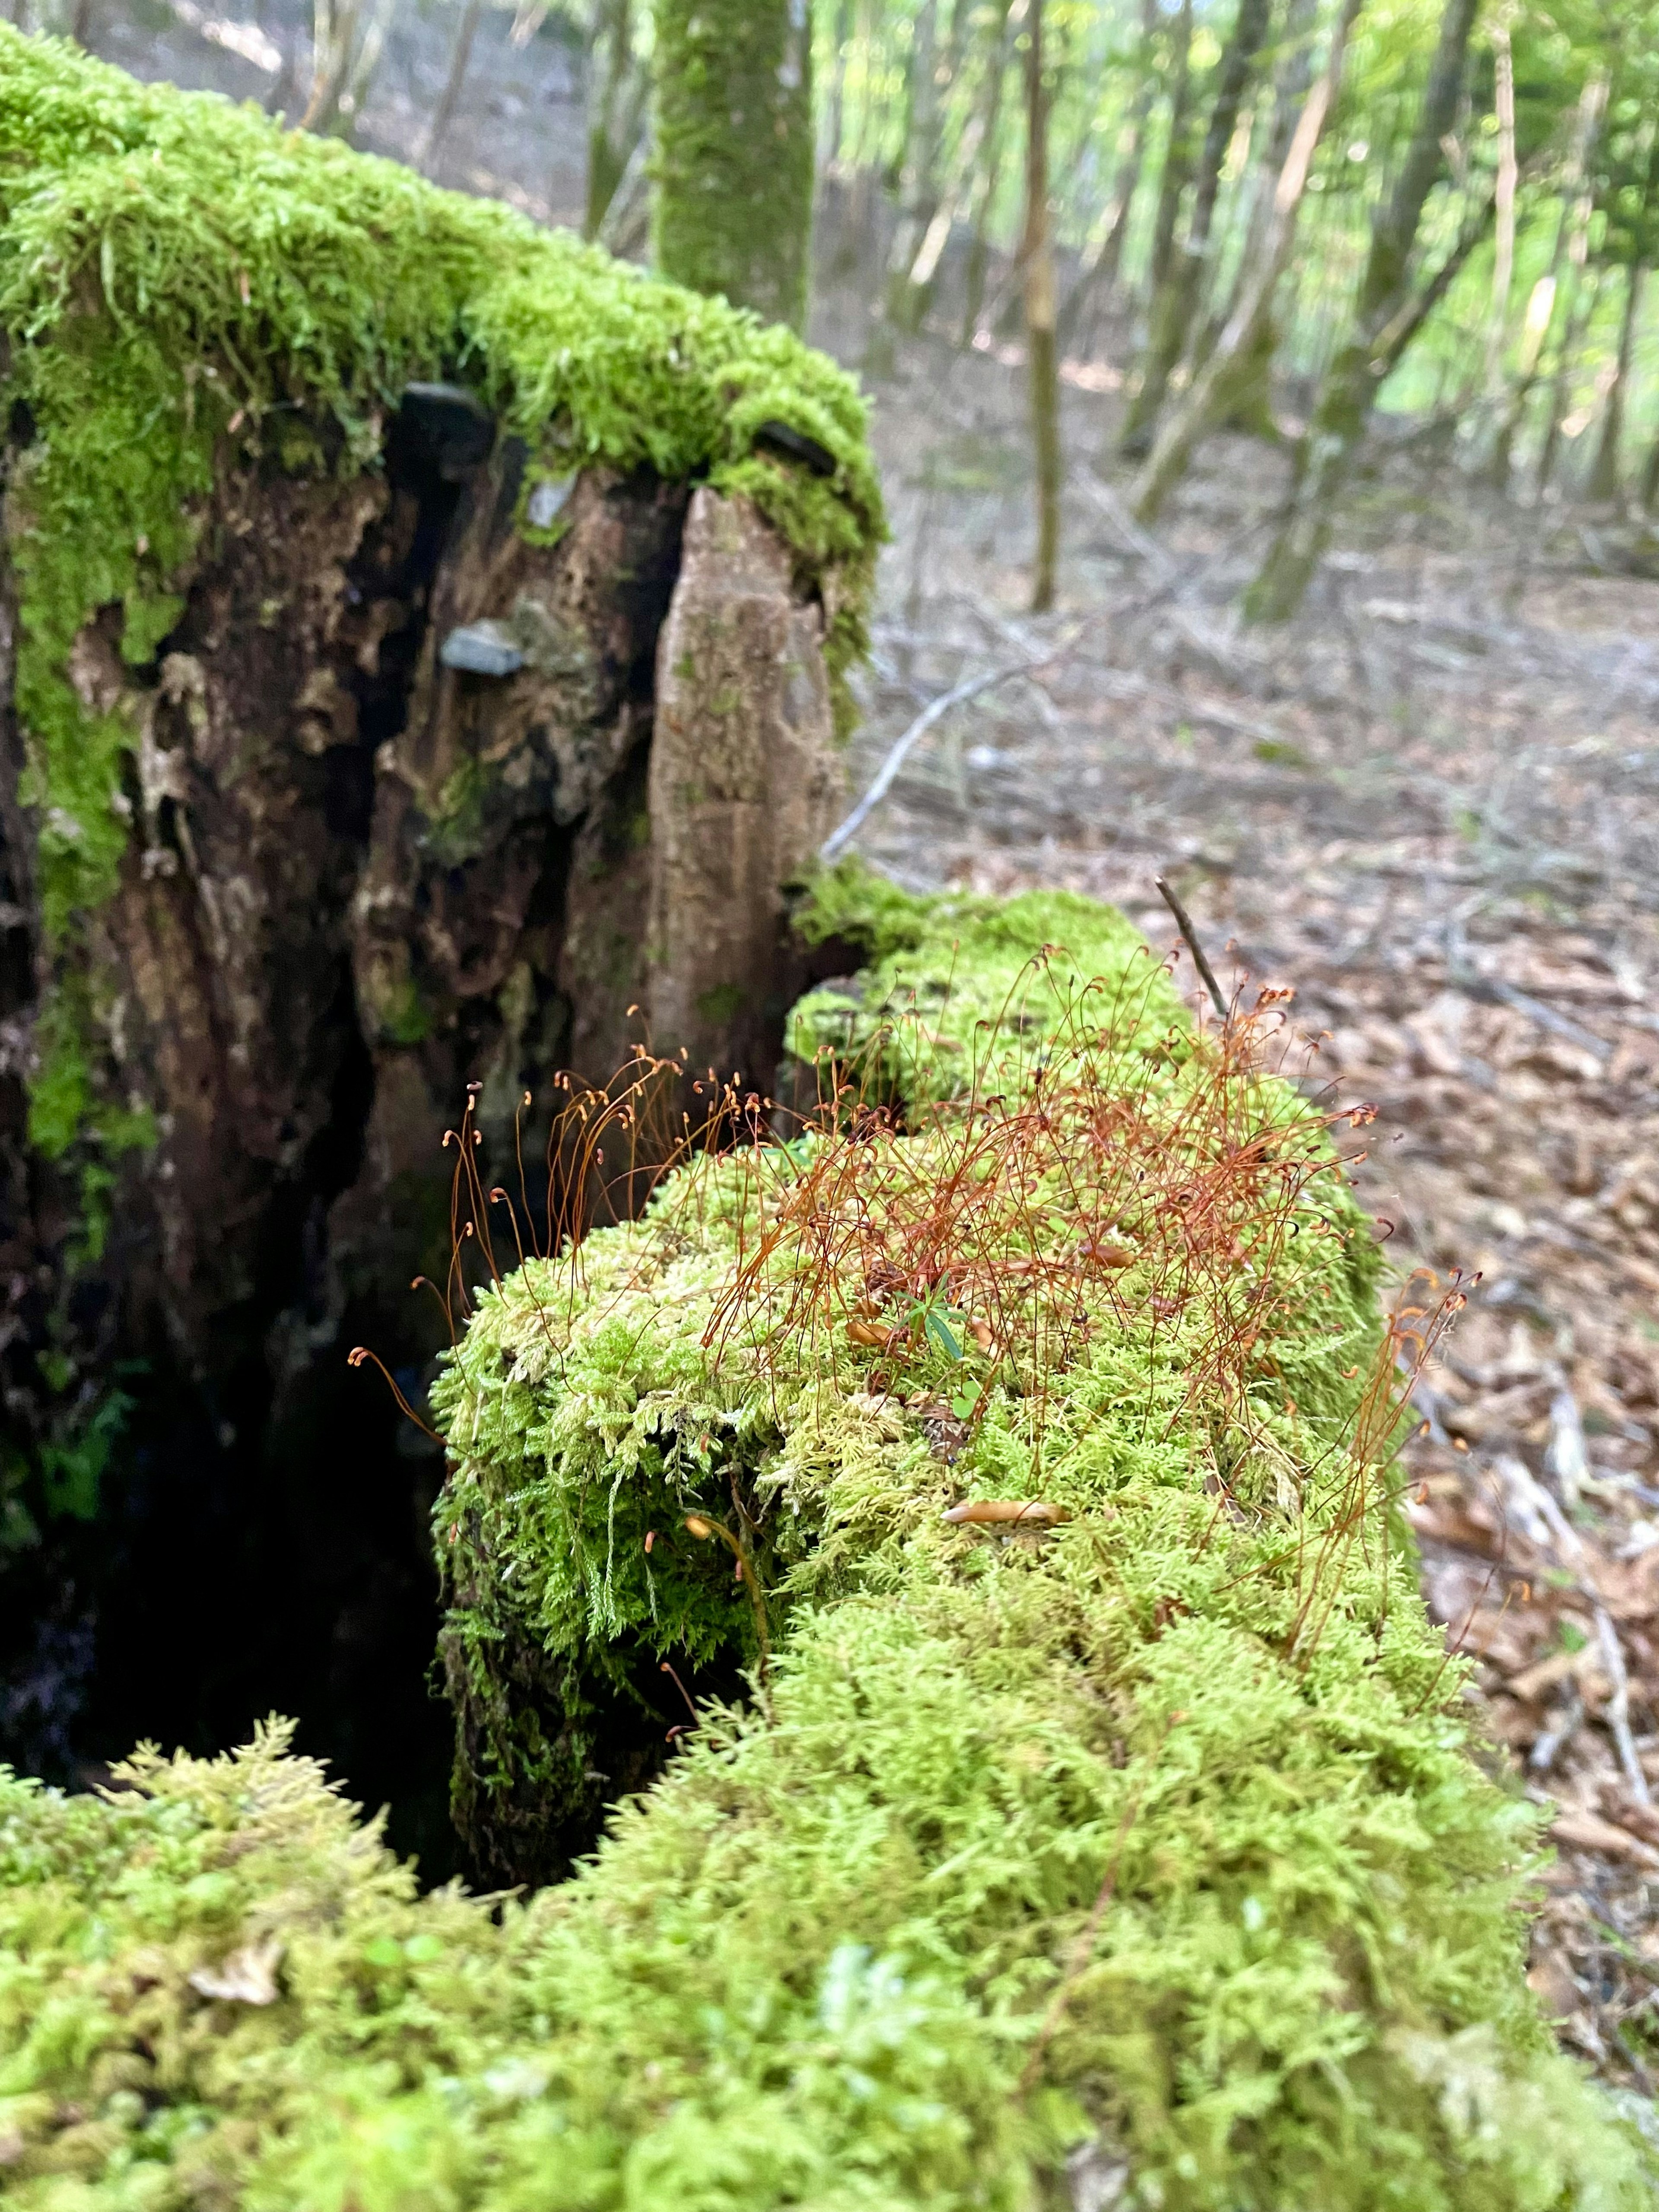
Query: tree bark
x=1349, y=388
x=733, y=202
x=1037, y=255
x=362, y=874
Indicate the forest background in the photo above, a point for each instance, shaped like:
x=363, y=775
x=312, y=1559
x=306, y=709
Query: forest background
x=1269, y=398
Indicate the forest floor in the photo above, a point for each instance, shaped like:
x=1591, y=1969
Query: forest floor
x=1430, y=805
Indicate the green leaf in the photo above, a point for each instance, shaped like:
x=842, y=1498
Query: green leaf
x=939, y=1329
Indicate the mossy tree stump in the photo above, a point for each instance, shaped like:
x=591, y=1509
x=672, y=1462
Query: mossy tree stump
x=344, y=520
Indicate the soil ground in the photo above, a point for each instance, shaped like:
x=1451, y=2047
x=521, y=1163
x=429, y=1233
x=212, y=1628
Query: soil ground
x=1430, y=805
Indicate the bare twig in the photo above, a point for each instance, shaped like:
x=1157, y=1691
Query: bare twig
x=839, y=839
x=1184, y=924
x=1534, y=1505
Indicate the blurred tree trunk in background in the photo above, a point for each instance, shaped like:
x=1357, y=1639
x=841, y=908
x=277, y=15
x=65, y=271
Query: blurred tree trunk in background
x=917, y=170
x=1177, y=173
x=1102, y=253
x=345, y=53
x=1243, y=351
x=989, y=174
x=1349, y=387
x=1604, y=469
x=733, y=172
x=1572, y=217
x=1175, y=299
x=1036, y=252
x=615, y=106
x=460, y=54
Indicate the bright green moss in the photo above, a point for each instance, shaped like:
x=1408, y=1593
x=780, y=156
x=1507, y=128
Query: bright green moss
x=947, y=991
x=181, y=279
x=1022, y=1840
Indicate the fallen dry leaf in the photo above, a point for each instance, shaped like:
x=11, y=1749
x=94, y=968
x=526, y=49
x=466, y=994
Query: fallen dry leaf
x=1589, y=1832
x=246, y=1977
x=988, y=1511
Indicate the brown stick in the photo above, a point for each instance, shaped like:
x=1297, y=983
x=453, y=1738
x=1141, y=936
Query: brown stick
x=1184, y=924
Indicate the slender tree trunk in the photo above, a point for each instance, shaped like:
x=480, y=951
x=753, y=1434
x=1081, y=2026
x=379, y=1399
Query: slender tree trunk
x=1250, y=407
x=1176, y=300
x=1585, y=290
x=615, y=105
x=334, y=45
x=1103, y=253
x=1535, y=328
x=1650, y=480
x=1544, y=299
x=1349, y=387
x=365, y=64
x=958, y=189
x=1172, y=185
x=834, y=106
x=1037, y=255
x=1220, y=384
x=734, y=205
x=460, y=55
x=917, y=175
x=1178, y=153
x=1604, y=474
x=989, y=175
x=1582, y=294
x=960, y=192
x=1503, y=267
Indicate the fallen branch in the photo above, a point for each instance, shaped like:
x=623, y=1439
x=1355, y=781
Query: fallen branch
x=839, y=839
x=1184, y=924
x=1535, y=1505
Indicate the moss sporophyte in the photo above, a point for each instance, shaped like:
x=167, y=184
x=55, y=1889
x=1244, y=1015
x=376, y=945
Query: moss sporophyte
x=185, y=289
x=1132, y=1824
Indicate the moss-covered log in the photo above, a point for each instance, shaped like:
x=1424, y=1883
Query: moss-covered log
x=343, y=524
x=1094, y=1820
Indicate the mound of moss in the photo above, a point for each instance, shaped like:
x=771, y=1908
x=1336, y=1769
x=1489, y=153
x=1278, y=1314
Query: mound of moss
x=1133, y=1853
x=185, y=286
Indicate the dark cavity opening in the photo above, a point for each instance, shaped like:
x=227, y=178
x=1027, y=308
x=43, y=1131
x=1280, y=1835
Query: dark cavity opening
x=261, y=1540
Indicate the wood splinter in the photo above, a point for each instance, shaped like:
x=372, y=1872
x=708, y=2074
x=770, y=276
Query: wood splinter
x=990, y=1512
